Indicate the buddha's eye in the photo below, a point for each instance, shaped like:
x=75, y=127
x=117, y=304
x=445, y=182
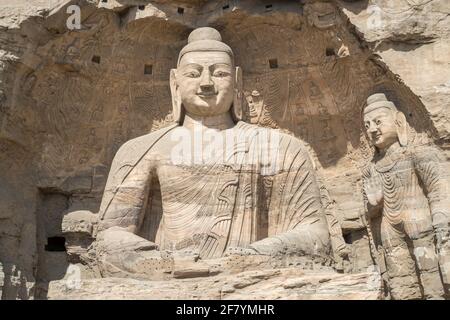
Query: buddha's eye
x=220, y=74
x=378, y=122
x=192, y=74
x=367, y=125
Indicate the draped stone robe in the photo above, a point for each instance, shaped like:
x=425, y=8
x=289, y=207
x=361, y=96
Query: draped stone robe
x=414, y=188
x=262, y=193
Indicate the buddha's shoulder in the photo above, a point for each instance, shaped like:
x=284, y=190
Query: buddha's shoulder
x=142, y=143
x=274, y=135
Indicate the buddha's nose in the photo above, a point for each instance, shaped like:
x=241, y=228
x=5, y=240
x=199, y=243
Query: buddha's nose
x=206, y=83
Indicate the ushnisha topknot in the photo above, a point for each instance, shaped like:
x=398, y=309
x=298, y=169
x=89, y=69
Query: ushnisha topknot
x=378, y=100
x=205, y=39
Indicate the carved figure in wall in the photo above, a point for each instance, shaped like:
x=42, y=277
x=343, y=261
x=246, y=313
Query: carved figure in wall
x=160, y=205
x=259, y=112
x=406, y=203
x=340, y=249
x=322, y=15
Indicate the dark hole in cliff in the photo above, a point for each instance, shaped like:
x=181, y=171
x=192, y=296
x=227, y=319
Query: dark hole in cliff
x=410, y=115
x=180, y=10
x=148, y=69
x=57, y=244
x=96, y=59
x=269, y=7
x=273, y=63
x=142, y=7
x=329, y=52
x=225, y=7
x=348, y=238
x=104, y=1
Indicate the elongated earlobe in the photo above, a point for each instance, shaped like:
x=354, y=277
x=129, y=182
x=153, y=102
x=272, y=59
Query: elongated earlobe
x=236, y=109
x=177, y=109
x=402, y=128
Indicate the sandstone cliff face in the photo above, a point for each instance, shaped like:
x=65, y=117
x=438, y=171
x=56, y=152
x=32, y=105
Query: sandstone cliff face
x=70, y=98
x=412, y=39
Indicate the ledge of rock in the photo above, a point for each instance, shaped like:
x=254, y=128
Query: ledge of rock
x=289, y=283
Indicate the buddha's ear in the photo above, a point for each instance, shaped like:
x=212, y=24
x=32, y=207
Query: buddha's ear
x=236, y=109
x=402, y=128
x=177, y=109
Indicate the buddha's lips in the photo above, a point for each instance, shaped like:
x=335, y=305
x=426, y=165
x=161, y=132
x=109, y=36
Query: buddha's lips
x=207, y=94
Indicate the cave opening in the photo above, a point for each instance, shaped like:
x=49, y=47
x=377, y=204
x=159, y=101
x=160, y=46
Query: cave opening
x=56, y=244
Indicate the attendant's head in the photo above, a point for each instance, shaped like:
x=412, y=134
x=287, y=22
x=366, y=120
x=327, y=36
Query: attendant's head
x=383, y=123
x=206, y=81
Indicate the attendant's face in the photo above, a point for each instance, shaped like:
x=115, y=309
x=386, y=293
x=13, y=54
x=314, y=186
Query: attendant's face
x=205, y=82
x=381, y=127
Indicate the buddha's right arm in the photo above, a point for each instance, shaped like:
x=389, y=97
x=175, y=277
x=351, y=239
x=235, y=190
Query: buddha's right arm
x=120, y=251
x=124, y=203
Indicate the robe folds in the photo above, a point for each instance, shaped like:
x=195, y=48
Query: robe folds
x=260, y=193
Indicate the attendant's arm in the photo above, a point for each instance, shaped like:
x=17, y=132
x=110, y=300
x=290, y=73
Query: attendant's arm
x=428, y=164
x=372, y=193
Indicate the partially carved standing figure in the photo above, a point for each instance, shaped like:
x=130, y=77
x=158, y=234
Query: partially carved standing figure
x=406, y=200
x=209, y=185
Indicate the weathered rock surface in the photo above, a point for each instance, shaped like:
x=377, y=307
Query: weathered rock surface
x=70, y=98
x=264, y=285
x=412, y=38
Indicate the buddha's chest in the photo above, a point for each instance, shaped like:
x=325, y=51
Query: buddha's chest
x=199, y=188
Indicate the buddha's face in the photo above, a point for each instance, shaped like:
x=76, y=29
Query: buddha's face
x=381, y=127
x=205, y=82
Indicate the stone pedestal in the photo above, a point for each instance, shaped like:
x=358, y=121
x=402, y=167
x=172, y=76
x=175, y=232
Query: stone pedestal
x=287, y=283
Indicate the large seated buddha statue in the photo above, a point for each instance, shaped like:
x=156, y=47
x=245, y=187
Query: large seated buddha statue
x=208, y=187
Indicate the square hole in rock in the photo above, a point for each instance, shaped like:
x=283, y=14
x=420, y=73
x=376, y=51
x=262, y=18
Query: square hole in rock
x=273, y=63
x=180, y=10
x=329, y=52
x=96, y=59
x=141, y=7
x=225, y=7
x=148, y=69
x=57, y=244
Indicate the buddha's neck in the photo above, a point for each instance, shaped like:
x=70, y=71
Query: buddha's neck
x=218, y=122
x=390, y=149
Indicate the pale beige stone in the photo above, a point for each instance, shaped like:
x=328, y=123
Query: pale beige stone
x=406, y=195
x=70, y=99
x=284, y=284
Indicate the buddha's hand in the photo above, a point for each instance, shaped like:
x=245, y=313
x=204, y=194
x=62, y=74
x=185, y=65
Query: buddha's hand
x=373, y=188
x=344, y=251
x=118, y=239
x=240, y=251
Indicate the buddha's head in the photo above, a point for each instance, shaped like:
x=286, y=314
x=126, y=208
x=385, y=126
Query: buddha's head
x=206, y=81
x=383, y=123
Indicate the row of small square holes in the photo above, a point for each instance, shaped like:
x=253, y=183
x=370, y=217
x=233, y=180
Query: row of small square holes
x=142, y=7
x=181, y=10
x=268, y=7
x=148, y=68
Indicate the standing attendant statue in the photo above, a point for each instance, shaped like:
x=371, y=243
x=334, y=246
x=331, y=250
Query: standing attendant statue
x=406, y=199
